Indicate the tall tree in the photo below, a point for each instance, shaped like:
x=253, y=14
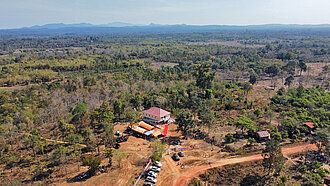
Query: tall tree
x=303, y=67
x=102, y=114
x=108, y=136
x=273, y=70
x=253, y=78
x=185, y=121
x=203, y=77
x=60, y=156
x=289, y=81
x=273, y=157
x=322, y=139
x=118, y=108
x=205, y=114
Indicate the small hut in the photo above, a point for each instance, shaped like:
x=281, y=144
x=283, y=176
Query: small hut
x=263, y=135
x=310, y=126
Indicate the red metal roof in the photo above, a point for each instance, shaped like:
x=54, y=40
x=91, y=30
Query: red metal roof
x=263, y=134
x=310, y=124
x=158, y=112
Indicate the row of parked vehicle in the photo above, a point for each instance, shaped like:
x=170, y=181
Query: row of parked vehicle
x=151, y=174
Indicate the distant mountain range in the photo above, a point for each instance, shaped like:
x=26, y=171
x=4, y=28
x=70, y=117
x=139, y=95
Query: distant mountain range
x=120, y=27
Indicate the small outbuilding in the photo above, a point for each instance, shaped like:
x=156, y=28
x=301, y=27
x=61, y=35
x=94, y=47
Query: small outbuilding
x=310, y=126
x=263, y=135
x=156, y=134
x=139, y=130
x=145, y=125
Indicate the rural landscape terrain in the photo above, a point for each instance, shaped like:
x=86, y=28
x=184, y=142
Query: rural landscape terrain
x=165, y=105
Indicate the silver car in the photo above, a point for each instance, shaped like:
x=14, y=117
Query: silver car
x=151, y=179
x=152, y=174
x=154, y=169
x=157, y=164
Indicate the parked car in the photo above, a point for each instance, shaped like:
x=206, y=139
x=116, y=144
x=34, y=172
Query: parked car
x=118, y=133
x=148, y=184
x=175, y=157
x=181, y=154
x=117, y=145
x=151, y=179
x=154, y=169
x=152, y=174
x=157, y=164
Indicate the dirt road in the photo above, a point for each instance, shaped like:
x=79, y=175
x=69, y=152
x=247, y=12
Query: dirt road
x=186, y=176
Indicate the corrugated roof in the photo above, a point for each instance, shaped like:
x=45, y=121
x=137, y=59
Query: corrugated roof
x=310, y=124
x=263, y=134
x=156, y=134
x=139, y=129
x=149, y=132
x=146, y=126
x=158, y=112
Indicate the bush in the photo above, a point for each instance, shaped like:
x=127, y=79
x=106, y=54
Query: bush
x=230, y=138
x=92, y=162
x=155, y=157
x=312, y=179
x=302, y=169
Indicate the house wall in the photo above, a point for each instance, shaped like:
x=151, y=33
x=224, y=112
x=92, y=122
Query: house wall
x=167, y=117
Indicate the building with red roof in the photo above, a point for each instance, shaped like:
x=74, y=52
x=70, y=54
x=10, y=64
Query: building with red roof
x=310, y=126
x=156, y=114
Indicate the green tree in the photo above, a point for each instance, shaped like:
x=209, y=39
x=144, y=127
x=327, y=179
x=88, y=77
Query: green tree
x=66, y=129
x=119, y=155
x=132, y=116
x=78, y=112
x=93, y=163
x=253, y=78
x=252, y=141
x=205, y=114
x=322, y=139
x=108, y=136
x=229, y=138
x=312, y=179
x=303, y=67
x=118, y=108
x=273, y=157
x=203, y=77
x=244, y=123
x=109, y=154
x=34, y=141
x=157, y=148
x=185, y=121
x=60, y=156
x=102, y=114
x=273, y=70
x=288, y=81
x=247, y=88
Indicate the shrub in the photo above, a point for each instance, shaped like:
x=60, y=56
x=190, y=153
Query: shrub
x=302, y=169
x=92, y=162
x=230, y=138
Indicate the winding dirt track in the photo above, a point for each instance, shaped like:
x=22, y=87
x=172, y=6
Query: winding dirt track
x=186, y=176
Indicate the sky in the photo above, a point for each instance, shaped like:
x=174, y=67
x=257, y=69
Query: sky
x=23, y=13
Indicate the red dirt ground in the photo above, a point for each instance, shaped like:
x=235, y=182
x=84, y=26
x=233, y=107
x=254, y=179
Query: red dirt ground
x=195, y=171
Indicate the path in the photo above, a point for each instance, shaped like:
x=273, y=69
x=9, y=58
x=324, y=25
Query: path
x=192, y=172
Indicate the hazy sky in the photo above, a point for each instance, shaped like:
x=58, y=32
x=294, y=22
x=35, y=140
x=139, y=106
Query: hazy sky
x=19, y=13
